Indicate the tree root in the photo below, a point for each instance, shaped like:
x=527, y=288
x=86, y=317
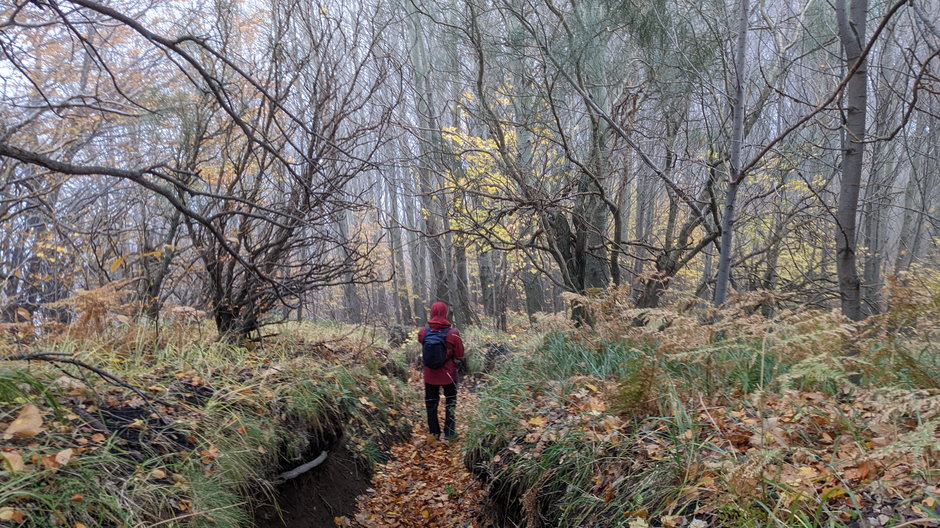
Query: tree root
x=301, y=469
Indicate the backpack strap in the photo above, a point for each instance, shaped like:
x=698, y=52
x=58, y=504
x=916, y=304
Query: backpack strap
x=448, y=354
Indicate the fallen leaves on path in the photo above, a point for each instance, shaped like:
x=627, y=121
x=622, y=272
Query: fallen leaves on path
x=424, y=484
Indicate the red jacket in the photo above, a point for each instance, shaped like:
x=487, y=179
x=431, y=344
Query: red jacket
x=454, y=345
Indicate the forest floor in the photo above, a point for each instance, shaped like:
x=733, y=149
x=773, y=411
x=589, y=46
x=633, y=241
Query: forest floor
x=618, y=425
x=190, y=430
x=425, y=482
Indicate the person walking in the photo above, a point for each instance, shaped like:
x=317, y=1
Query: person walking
x=441, y=346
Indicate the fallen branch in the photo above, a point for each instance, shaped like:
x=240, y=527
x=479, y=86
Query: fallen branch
x=92, y=422
x=299, y=470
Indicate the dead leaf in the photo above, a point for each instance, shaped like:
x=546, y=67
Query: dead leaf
x=861, y=472
x=14, y=460
x=537, y=421
x=9, y=514
x=672, y=520
x=62, y=457
x=69, y=383
x=27, y=425
x=208, y=455
x=831, y=493
x=808, y=472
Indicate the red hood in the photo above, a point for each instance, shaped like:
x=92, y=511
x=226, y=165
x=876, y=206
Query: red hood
x=438, y=318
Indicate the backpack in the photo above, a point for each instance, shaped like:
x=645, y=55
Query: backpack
x=433, y=349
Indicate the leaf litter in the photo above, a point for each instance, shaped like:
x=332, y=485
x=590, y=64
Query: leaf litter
x=873, y=452
x=424, y=483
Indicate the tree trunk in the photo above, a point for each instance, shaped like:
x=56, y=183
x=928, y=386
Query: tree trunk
x=419, y=267
x=643, y=228
x=501, y=292
x=852, y=36
x=462, y=308
x=400, y=283
x=156, y=276
x=487, y=288
x=534, y=294
x=352, y=302
x=735, y=176
x=430, y=154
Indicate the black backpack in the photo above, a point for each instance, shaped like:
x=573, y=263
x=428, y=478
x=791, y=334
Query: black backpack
x=433, y=349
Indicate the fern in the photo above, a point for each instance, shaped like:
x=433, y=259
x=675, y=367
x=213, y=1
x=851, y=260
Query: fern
x=635, y=394
x=98, y=306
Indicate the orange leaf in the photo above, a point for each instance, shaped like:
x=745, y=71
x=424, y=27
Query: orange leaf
x=117, y=263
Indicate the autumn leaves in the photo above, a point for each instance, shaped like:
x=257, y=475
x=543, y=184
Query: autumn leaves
x=425, y=484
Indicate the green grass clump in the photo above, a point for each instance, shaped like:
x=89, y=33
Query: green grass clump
x=559, y=482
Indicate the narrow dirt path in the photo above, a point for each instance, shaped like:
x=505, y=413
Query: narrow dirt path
x=424, y=484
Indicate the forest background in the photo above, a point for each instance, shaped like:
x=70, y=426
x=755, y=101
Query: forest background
x=355, y=161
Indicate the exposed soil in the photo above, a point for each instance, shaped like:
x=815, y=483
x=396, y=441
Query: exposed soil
x=315, y=498
x=423, y=484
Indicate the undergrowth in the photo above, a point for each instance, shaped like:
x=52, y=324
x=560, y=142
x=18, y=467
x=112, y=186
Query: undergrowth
x=732, y=417
x=214, y=426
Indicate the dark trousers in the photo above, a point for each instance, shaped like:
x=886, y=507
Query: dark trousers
x=432, y=396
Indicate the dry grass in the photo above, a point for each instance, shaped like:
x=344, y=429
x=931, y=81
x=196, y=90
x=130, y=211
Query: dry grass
x=728, y=417
x=218, y=421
